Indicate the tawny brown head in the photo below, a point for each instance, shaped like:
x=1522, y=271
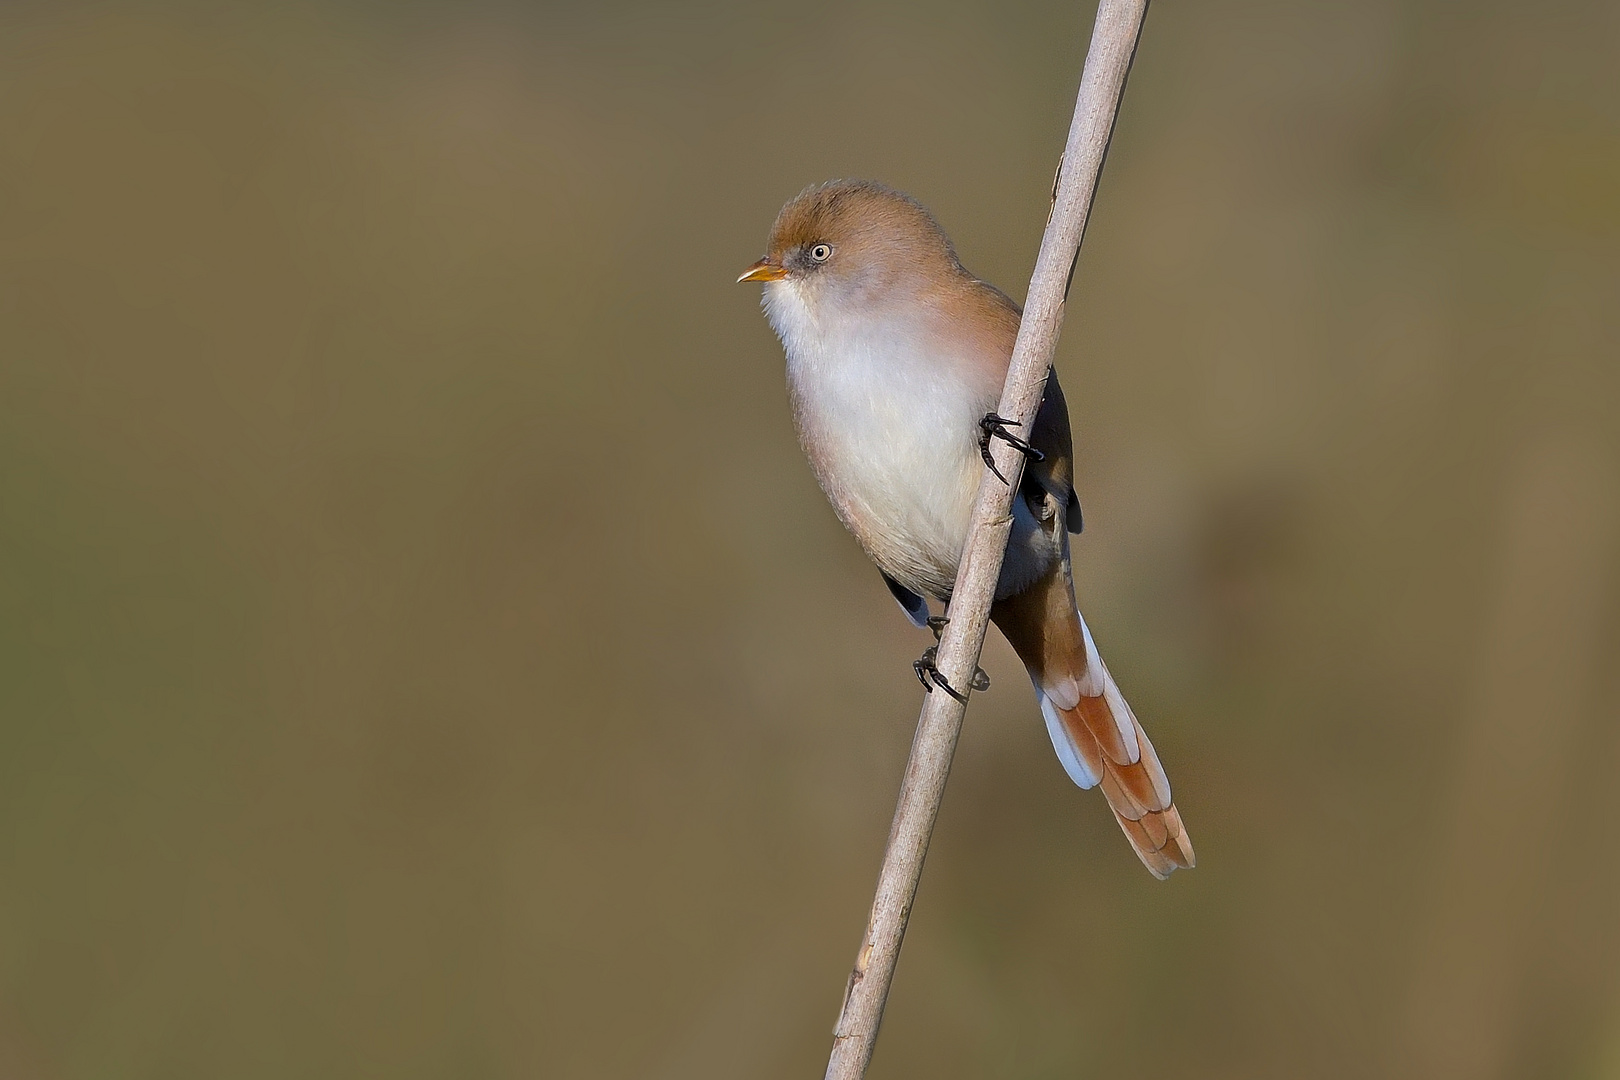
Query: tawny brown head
x=857, y=232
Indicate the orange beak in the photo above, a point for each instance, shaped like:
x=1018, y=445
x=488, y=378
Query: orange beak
x=764, y=270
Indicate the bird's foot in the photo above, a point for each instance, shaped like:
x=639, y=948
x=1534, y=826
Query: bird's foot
x=994, y=426
x=937, y=624
x=926, y=672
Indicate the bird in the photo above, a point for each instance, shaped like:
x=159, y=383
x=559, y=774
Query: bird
x=896, y=356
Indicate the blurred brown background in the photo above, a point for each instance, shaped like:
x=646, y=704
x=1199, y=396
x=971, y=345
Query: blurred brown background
x=425, y=653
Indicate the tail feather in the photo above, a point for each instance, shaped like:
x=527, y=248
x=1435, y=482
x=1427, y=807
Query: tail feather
x=1138, y=793
x=1097, y=737
x=1097, y=714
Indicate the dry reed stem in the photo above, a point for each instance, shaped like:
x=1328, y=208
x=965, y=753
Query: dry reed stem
x=1108, y=61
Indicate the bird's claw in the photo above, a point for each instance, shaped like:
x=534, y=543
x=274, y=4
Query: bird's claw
x=924, y=667
x=926, y=671
x=994, y=426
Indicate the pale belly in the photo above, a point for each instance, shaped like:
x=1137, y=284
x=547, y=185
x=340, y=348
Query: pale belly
x=888, y=414
x=895, y=448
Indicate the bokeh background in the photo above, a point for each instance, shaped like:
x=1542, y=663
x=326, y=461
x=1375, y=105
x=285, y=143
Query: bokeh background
x=425, y=653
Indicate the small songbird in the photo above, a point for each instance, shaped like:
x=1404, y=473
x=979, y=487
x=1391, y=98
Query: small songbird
x=896, y=357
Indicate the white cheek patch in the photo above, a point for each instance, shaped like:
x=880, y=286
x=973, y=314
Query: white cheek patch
x=790, y=316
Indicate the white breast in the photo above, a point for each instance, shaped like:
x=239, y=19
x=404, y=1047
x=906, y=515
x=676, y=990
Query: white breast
x=887, y=409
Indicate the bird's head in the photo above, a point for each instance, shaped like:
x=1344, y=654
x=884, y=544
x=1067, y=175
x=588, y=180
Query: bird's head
x=854, y=237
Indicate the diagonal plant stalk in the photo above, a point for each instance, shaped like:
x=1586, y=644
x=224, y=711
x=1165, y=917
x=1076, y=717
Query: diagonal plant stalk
x=1113, y=45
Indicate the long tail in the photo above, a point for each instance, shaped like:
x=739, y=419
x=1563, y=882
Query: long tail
x=1093, y=730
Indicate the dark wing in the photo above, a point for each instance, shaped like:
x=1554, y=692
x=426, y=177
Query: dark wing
x=1052, y=478
x=1050, y=435
x=915, y=607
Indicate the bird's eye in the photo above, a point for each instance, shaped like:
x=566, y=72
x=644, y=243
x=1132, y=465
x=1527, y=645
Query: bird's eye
x=821, y=253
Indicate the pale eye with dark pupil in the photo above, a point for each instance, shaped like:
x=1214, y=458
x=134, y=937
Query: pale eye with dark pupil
x=821, y=253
